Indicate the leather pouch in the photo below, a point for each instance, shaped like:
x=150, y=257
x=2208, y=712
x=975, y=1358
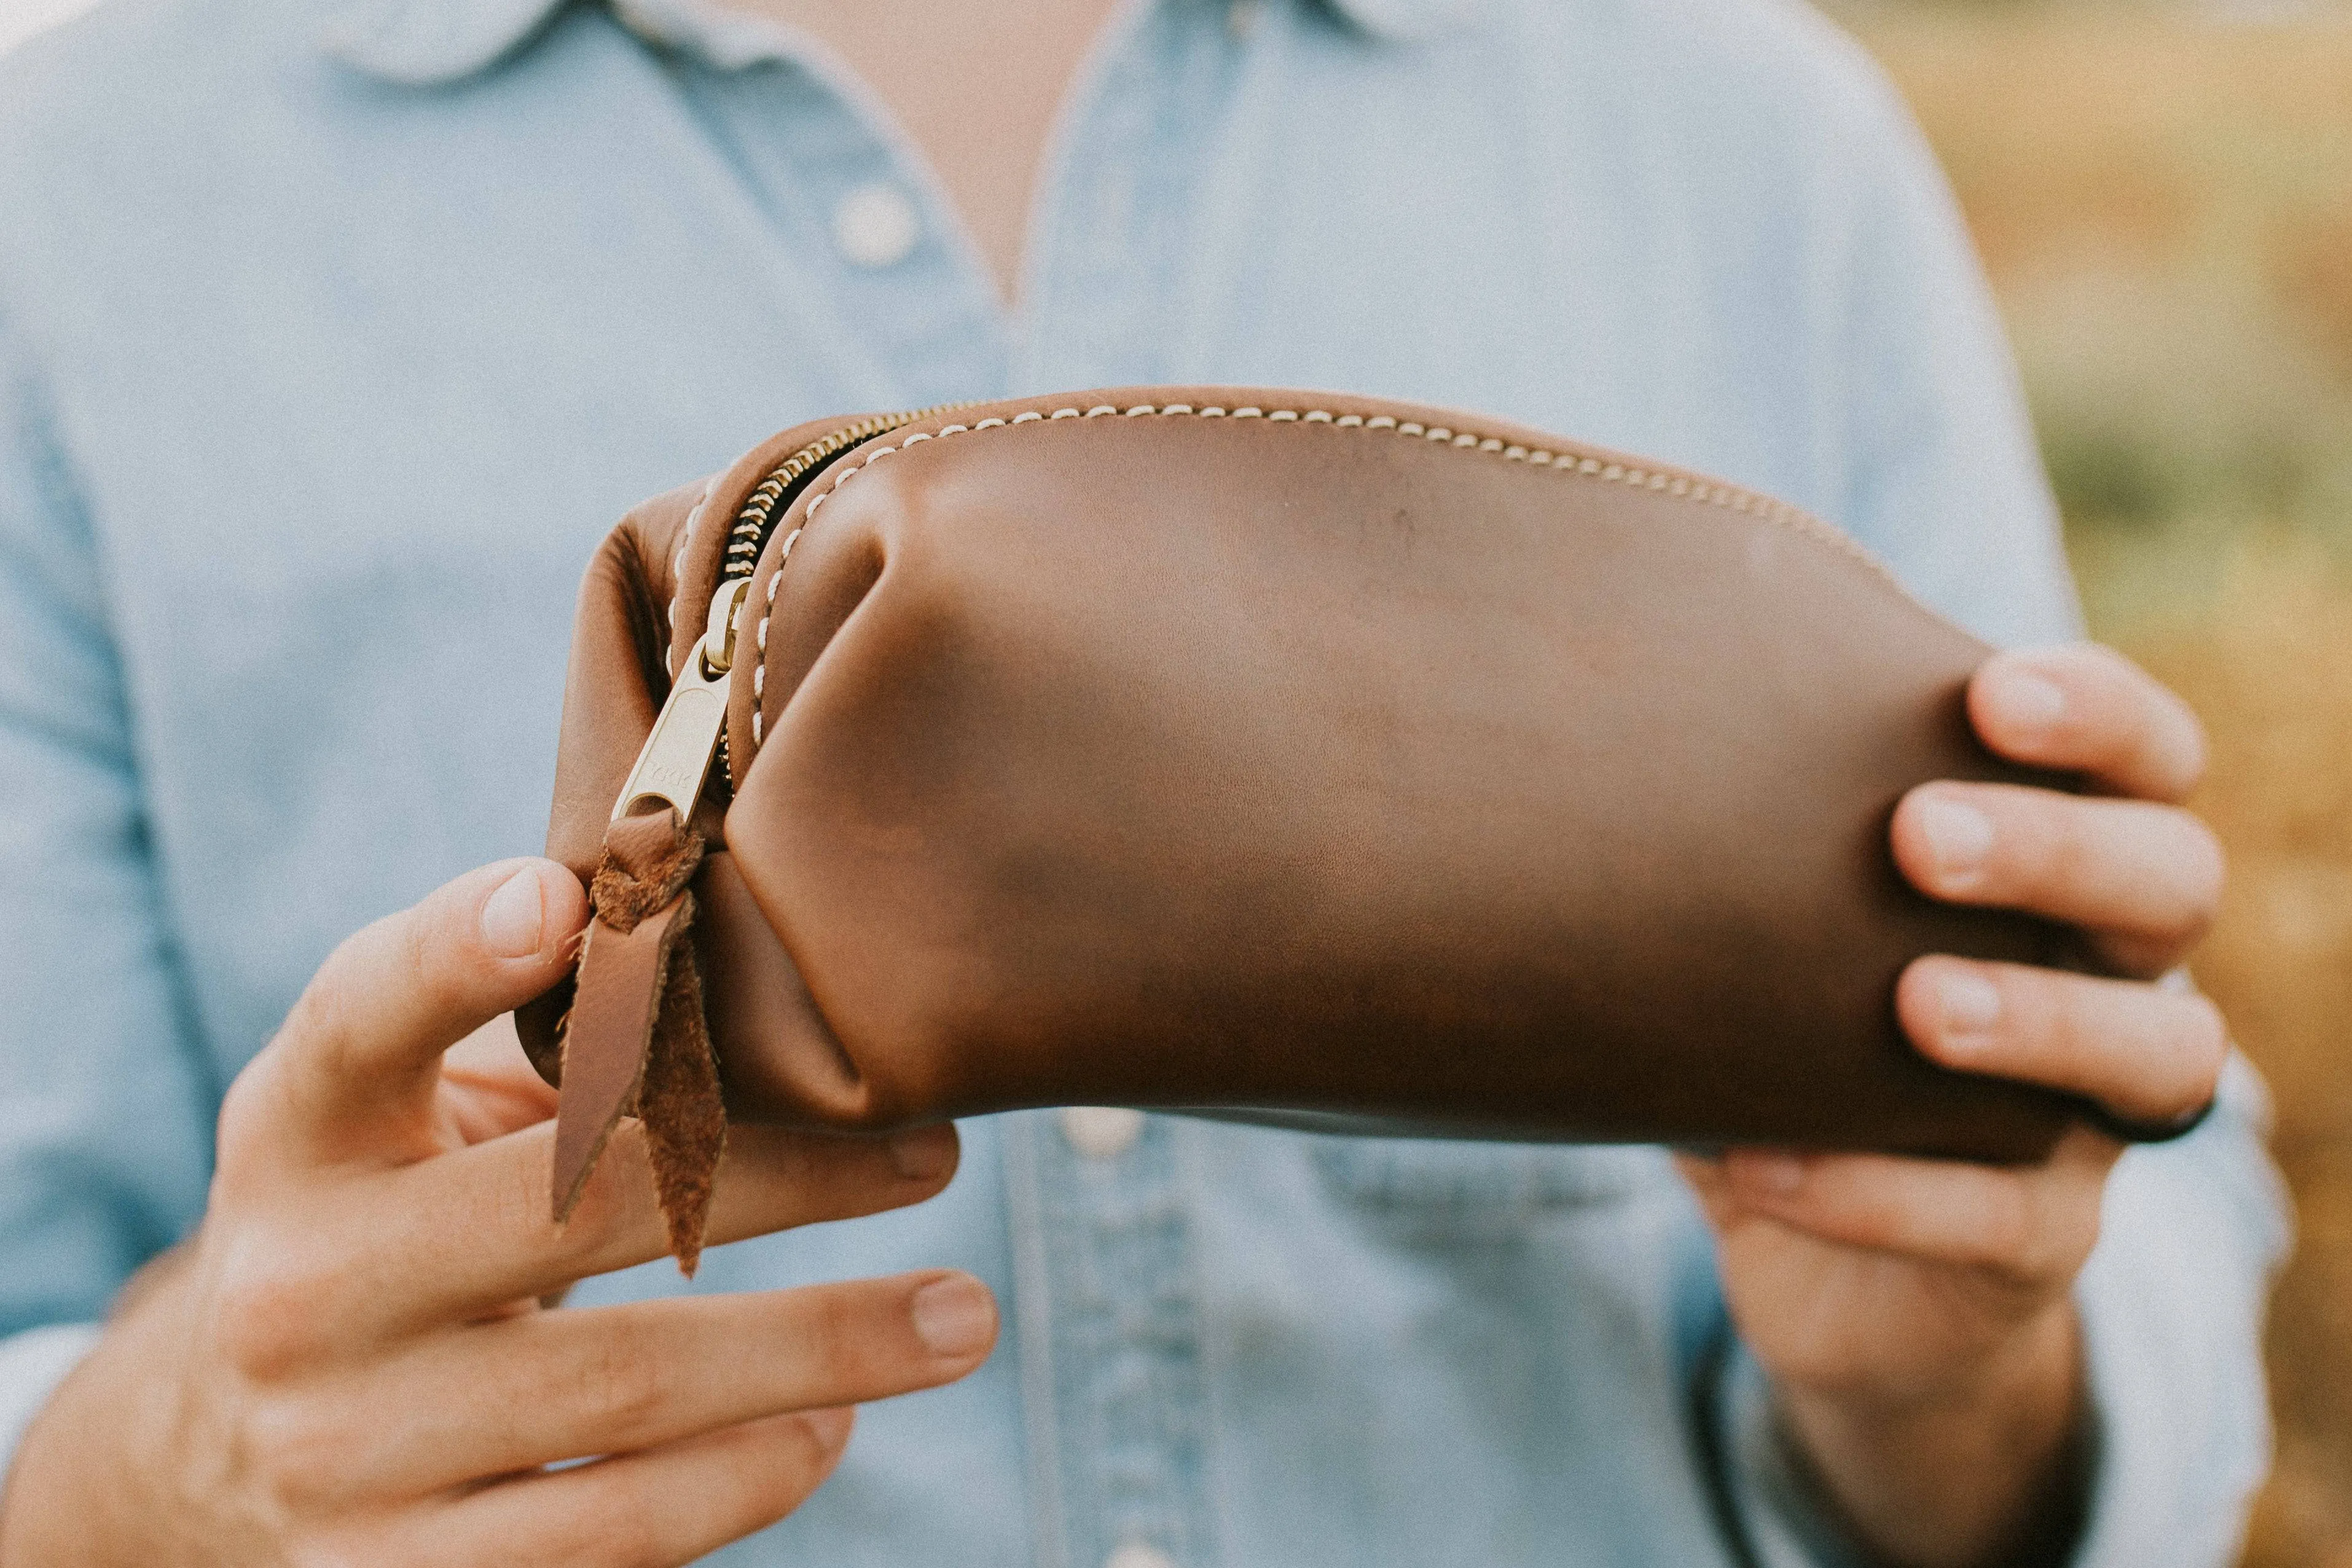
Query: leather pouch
x=1283, y=753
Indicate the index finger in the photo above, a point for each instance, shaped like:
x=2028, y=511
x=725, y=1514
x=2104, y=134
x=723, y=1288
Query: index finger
x=351, y=1073
x=457, y=1237
x=2088, y=709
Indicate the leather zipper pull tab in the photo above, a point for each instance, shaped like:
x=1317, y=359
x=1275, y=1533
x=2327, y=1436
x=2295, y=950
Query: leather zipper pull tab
x=674, y=765
x=636, y=1040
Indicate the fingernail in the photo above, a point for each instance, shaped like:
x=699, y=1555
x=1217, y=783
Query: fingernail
x=954, y=1315
x=1969, y=1005
x=1773, y=1172
x=2029, y=700
x=514, y=919
x=1958, y=835
x=923, y=1154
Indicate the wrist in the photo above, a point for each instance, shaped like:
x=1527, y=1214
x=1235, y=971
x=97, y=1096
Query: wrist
x=45, y=1499
x=1984, y=1468
x=72, y=1484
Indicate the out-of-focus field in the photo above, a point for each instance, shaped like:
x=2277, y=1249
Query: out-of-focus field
x=2166, y=207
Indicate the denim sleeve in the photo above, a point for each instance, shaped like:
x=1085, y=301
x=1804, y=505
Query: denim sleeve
x=1940, y=475
x=2172, y=1317
x=105, y=1119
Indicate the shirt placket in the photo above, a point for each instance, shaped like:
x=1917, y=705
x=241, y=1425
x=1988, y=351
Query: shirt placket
x=1111, y=243
x=1110, y=1339
x=1107, y=1314
x=862, y=220
x=1110, y=1316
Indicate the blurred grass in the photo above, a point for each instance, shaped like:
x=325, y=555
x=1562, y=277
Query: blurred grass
x=2165, y=205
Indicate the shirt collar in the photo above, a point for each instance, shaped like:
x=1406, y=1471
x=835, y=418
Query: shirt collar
x=429, y=42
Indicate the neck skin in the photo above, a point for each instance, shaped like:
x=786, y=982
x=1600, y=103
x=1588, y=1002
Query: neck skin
x=975, y=87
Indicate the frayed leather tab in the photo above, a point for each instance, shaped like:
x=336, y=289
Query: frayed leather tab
x=606, y=1038
x=685, y=1117
x=635, y=1041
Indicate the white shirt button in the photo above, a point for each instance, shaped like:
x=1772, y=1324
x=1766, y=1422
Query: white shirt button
x=1136, y=1554
x=1105, y=1132
x=876, y=226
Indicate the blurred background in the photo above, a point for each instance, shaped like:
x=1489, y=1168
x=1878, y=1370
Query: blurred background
x=23, y=18
x=2163, y=195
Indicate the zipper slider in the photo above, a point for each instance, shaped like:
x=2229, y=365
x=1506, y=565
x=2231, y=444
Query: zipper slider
x=674, y=762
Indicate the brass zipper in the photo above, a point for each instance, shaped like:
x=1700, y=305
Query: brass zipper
x=690, y=736
x=776, y=493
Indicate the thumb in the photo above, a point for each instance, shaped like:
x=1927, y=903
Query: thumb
x=352, y=1073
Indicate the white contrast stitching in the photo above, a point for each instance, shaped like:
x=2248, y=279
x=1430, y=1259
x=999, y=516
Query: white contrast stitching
x=1802, y=522
x=678, y=561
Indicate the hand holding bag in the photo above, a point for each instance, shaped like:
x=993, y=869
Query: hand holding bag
x=1262, y=750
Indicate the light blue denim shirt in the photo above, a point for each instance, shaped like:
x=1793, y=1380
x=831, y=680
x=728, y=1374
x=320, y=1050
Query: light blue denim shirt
x=331, y=343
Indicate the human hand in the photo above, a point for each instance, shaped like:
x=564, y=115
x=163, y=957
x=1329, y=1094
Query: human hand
x=1916, y=1318
x=348, y=1365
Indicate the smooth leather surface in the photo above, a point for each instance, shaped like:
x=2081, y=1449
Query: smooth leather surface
x=1169, y=760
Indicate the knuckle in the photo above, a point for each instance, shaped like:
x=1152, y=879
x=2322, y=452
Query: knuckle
x=2041, y=1241
x=2052, y=846
x=840, y=1329
x=414, y=931
x=295, y=1451
x=2062, y=1214
x=430, y=960
x=2079, y=1234
x=2032, y=1233
x=629, y=1383
x=2038, y=1254
x=269, y=1312
x=2032, y=1020
x=2082, y=1025
x=2006, y=1235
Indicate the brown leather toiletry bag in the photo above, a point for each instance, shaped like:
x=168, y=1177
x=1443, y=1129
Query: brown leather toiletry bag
x=1210, y=747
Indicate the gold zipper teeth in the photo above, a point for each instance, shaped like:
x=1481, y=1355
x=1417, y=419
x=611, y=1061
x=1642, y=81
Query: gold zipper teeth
x=749, y=535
